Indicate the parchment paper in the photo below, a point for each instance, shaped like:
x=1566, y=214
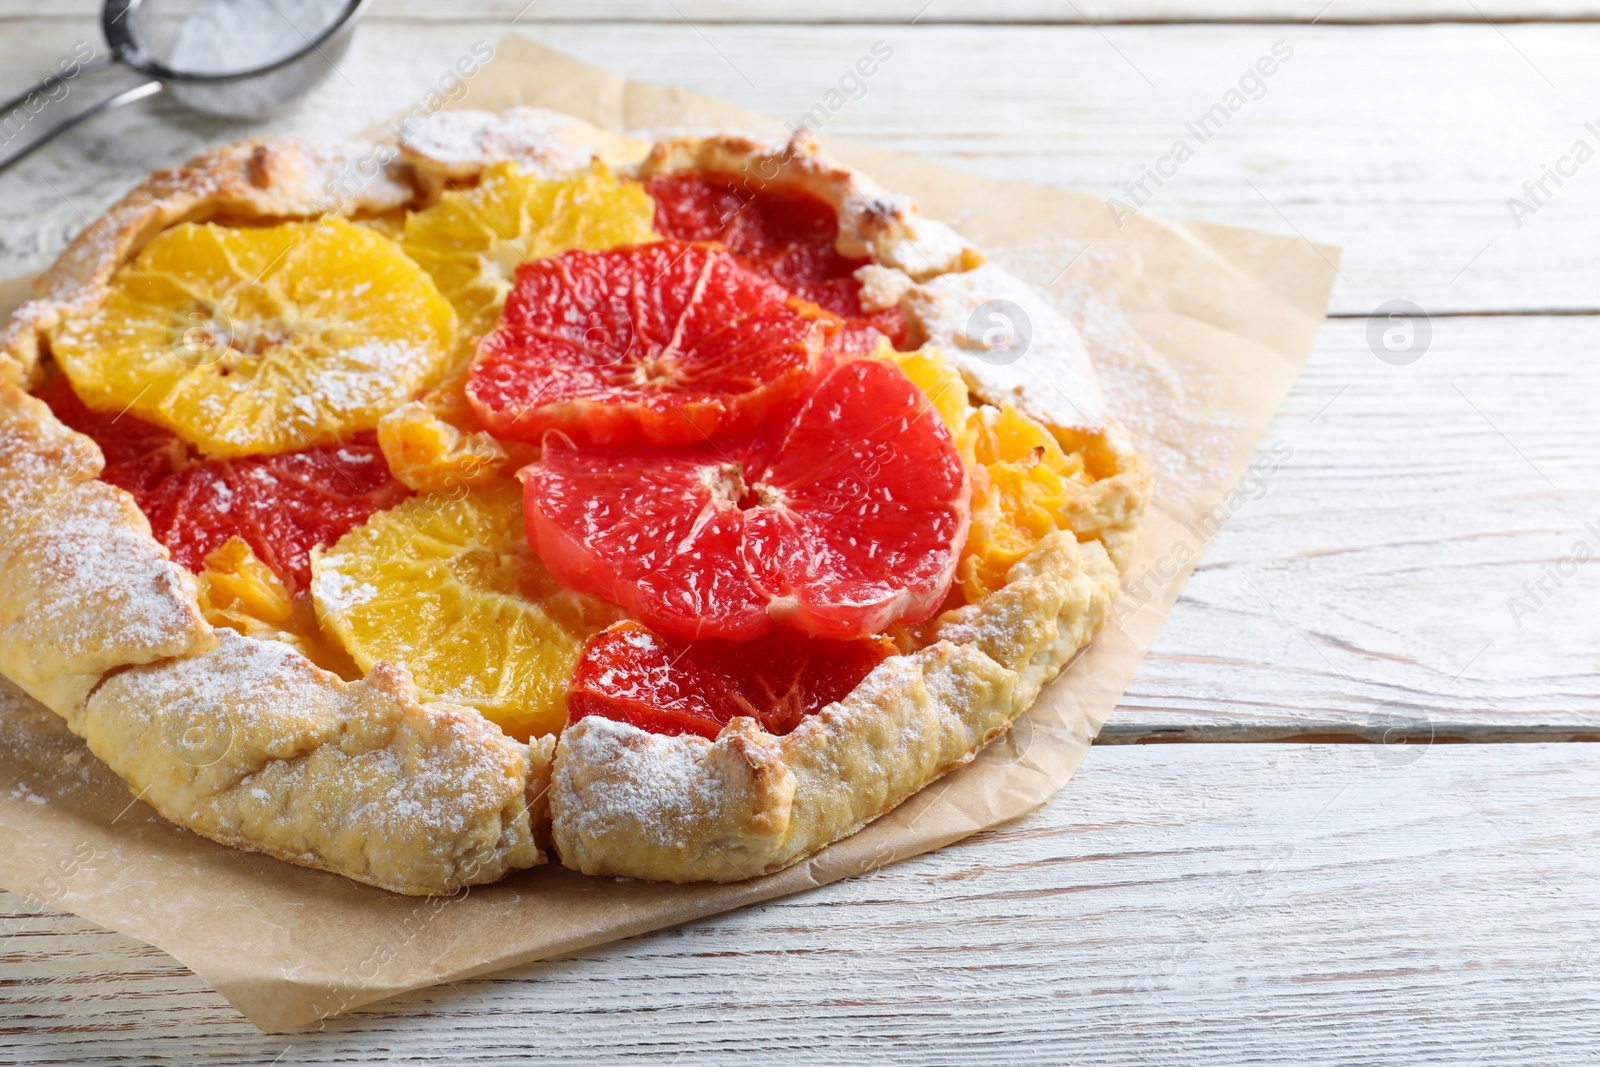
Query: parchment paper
x=1198, y=332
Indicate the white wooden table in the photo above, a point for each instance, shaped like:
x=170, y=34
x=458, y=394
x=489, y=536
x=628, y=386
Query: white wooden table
x=1212, y=901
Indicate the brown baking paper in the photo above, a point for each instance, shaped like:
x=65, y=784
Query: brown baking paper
x=1198, y=332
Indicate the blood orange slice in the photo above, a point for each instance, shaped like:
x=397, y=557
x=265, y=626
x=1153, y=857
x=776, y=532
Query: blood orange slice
x=280, y=506
x=666, y=343
x=784, y=233
x=840, y=520
x=631, y=674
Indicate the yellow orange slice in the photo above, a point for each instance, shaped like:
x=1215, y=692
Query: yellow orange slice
x=472, y=241
x=240, y=592
x=446, y=586
x=429, y=454
x=1023, y=484
x=263, y=339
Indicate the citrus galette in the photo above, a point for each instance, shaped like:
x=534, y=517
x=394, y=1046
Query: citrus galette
x=665, y=507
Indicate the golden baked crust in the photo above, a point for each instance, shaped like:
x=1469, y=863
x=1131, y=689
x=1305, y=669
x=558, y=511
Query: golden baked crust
x=250, y=745
x=84, y=588
x=246, y=742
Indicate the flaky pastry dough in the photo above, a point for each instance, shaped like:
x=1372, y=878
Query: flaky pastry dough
x=250, y=745
x=84, y=588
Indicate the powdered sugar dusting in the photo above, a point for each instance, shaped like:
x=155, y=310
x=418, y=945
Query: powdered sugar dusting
x=658, y=786
x=547, y=142
x=228, y=36
x=23, y=793
x=1047, y=373
x=337, y=592
x=34, y=469
x=920, y=247
x=290, y=758
x=364, y=375
x=96, y=585
x=1148, y=394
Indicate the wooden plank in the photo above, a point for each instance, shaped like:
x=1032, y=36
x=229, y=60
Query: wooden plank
x=1178, y=905
x=1099, y=12
x=1387, y=579
x=1403, y=144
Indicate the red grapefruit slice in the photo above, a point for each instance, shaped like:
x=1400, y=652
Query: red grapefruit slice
x=138, y=455
x=631, y=674
x=666, y=343
x=784, y=233
x=839, y=520
x=282, y=506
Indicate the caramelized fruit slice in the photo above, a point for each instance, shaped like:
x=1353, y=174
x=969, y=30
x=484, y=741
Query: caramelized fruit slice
x=786, y=234
x=446, y=587
x=668, y=686
x=839, y=520
x=280, y=506
x=260, y=340
x=472, y=240
x=667, y=343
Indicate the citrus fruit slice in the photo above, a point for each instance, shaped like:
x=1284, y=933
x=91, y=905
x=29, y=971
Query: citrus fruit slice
x=666, y=343
x=281, y=506
x=1033, y=484
x=429, y=454
x=263, y=339
x=784, y=233
x=240, y=592
x=472, y=240
x=839, y=520
x=942, y=383
x=1023, y=483
x=446, y=587
x=667, y=686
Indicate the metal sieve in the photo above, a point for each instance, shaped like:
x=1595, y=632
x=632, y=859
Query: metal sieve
x=236, y=58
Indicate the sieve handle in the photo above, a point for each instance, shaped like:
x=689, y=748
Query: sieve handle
x=127, y=96
x=44, y=86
